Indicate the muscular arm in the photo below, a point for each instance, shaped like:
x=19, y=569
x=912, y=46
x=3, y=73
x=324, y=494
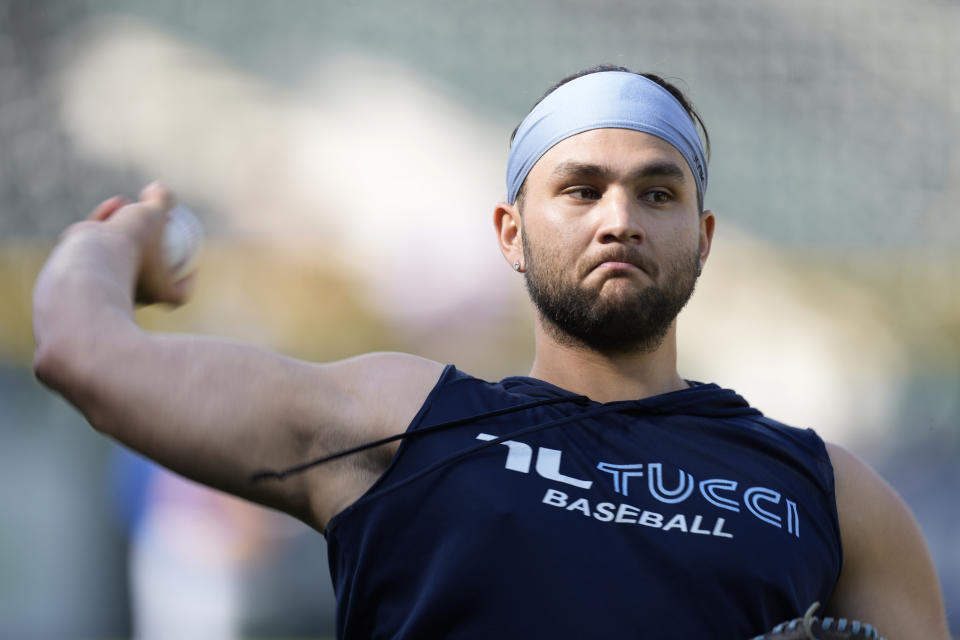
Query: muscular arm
x=888, y=578
x=213, y=410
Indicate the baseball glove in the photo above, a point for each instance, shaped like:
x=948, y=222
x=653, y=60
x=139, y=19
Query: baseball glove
x=810, y=627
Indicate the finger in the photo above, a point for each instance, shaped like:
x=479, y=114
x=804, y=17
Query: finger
x=145, y=219
x=106, y=208
x=181, y=289
x=157, y=194
x=155, y=289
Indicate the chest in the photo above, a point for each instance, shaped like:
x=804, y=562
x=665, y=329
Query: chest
x=622, y=530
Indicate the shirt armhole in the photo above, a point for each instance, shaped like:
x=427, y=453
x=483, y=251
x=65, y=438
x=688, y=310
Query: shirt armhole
x=448, y=372
x=829, y=479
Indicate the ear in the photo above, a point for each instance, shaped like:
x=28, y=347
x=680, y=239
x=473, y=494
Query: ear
x=708, y=222
x=509, y=226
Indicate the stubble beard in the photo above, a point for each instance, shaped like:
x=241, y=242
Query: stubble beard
x=633, y=323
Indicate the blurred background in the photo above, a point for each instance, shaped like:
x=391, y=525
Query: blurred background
x=345, y=159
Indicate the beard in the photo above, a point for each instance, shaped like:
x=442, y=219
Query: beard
x=616, y=323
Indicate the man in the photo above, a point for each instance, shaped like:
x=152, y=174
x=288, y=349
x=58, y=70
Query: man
x=602, y=494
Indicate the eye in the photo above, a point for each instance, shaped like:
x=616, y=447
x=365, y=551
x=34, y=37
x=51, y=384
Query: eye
x=657, y=196
x=583, y=193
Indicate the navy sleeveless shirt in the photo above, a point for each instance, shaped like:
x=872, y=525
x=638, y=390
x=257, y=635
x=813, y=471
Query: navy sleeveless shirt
x=684, y=515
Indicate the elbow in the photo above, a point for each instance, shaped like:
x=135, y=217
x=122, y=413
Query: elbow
x=82, y=368
x=58, y=365
x=50, y=365
x=61, y=354
x=68, y=353
x=55, y=344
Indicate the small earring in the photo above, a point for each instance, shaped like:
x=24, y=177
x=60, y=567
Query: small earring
x=516, y=266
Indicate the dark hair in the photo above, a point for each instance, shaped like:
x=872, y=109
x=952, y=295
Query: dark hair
x=674, y=91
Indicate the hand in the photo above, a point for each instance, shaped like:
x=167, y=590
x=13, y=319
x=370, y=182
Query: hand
x=143, y=223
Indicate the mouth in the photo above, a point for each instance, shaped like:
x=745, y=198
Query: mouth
x=625, y=264
x=613, y=265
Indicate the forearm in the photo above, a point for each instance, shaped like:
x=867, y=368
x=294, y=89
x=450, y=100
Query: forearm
x=211, y=409
x=83, y=301
x=168, y=396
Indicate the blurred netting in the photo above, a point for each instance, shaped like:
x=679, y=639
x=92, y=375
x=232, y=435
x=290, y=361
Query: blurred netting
x=833, y=124
x=834, y=129
x=44, y=184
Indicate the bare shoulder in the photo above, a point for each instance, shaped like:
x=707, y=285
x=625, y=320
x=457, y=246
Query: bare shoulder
x=888, y=578
x=381, y=392
x=354, y=402
x=393, y=369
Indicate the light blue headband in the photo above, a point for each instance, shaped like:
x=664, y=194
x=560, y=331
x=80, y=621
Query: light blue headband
x=608, y=99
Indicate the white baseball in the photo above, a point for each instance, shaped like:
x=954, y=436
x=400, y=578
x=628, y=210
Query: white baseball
x=182, y=238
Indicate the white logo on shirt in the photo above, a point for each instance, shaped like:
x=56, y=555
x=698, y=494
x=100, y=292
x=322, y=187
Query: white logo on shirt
x=765, y=504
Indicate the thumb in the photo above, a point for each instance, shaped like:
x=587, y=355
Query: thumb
x=158, y=195
x=144, y=220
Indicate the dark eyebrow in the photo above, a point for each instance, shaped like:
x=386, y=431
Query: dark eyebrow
x=658, y=169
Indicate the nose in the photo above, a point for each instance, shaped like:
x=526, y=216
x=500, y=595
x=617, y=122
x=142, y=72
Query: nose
x=619, y=219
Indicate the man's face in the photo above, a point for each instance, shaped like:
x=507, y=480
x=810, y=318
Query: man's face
x=613, y=239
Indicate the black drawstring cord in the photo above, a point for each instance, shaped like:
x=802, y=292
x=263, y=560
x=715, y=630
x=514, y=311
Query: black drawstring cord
x=280, y=475
x=486, y=444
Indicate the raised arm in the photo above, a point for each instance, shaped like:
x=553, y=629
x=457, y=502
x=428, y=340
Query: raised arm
x=214, y=410
x=888, y=578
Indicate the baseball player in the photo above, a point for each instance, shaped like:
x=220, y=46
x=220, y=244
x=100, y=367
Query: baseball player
x=602, y=495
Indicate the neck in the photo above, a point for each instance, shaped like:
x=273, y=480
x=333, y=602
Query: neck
x=606, y=377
